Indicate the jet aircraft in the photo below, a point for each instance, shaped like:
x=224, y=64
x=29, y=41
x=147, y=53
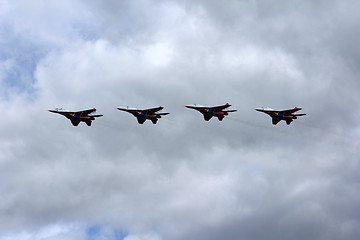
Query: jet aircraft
x=287, y=115
x=209, y=112
x=141, y=115
x=79, y=116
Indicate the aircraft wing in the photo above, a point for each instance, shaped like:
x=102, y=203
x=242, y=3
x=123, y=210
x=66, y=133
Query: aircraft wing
x=153, y=110
x=128, y=110
x=266, y=110
x=289, y=111
x=149, y=110
x=63, y=112
x=221, y=107
x=86, y=112
x=197, y=107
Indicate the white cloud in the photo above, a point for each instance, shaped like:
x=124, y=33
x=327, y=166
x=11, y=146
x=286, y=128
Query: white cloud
x=184, y=177
x=52, y=232
x=148, y=236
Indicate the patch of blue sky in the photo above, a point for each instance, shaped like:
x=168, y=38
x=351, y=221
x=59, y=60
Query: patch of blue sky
x=21, y=56
x=95, y=232
x=68, y=231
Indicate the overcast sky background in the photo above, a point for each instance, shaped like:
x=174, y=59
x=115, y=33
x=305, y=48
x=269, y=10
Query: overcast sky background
x=184, y=178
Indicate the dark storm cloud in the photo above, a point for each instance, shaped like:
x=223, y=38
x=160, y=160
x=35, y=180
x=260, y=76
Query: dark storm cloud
x=186, y=178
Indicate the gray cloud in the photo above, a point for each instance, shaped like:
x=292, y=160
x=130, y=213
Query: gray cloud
x=183, y=178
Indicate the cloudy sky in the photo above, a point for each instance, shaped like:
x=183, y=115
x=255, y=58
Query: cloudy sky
x=184, y=178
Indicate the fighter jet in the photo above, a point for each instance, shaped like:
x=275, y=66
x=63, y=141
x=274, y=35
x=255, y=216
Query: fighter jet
x=77, y=117
x=209, y=112
x=141, y=115
x=287, y=115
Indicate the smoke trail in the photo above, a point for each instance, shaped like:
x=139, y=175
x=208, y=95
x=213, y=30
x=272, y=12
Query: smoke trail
x=341, y=141
x=318, y=128
x=109, y=125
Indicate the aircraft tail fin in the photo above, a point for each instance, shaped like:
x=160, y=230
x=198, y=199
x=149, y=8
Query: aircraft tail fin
x=275, y=121
x=141, y=120
x=75, y=122
x=207, y=117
